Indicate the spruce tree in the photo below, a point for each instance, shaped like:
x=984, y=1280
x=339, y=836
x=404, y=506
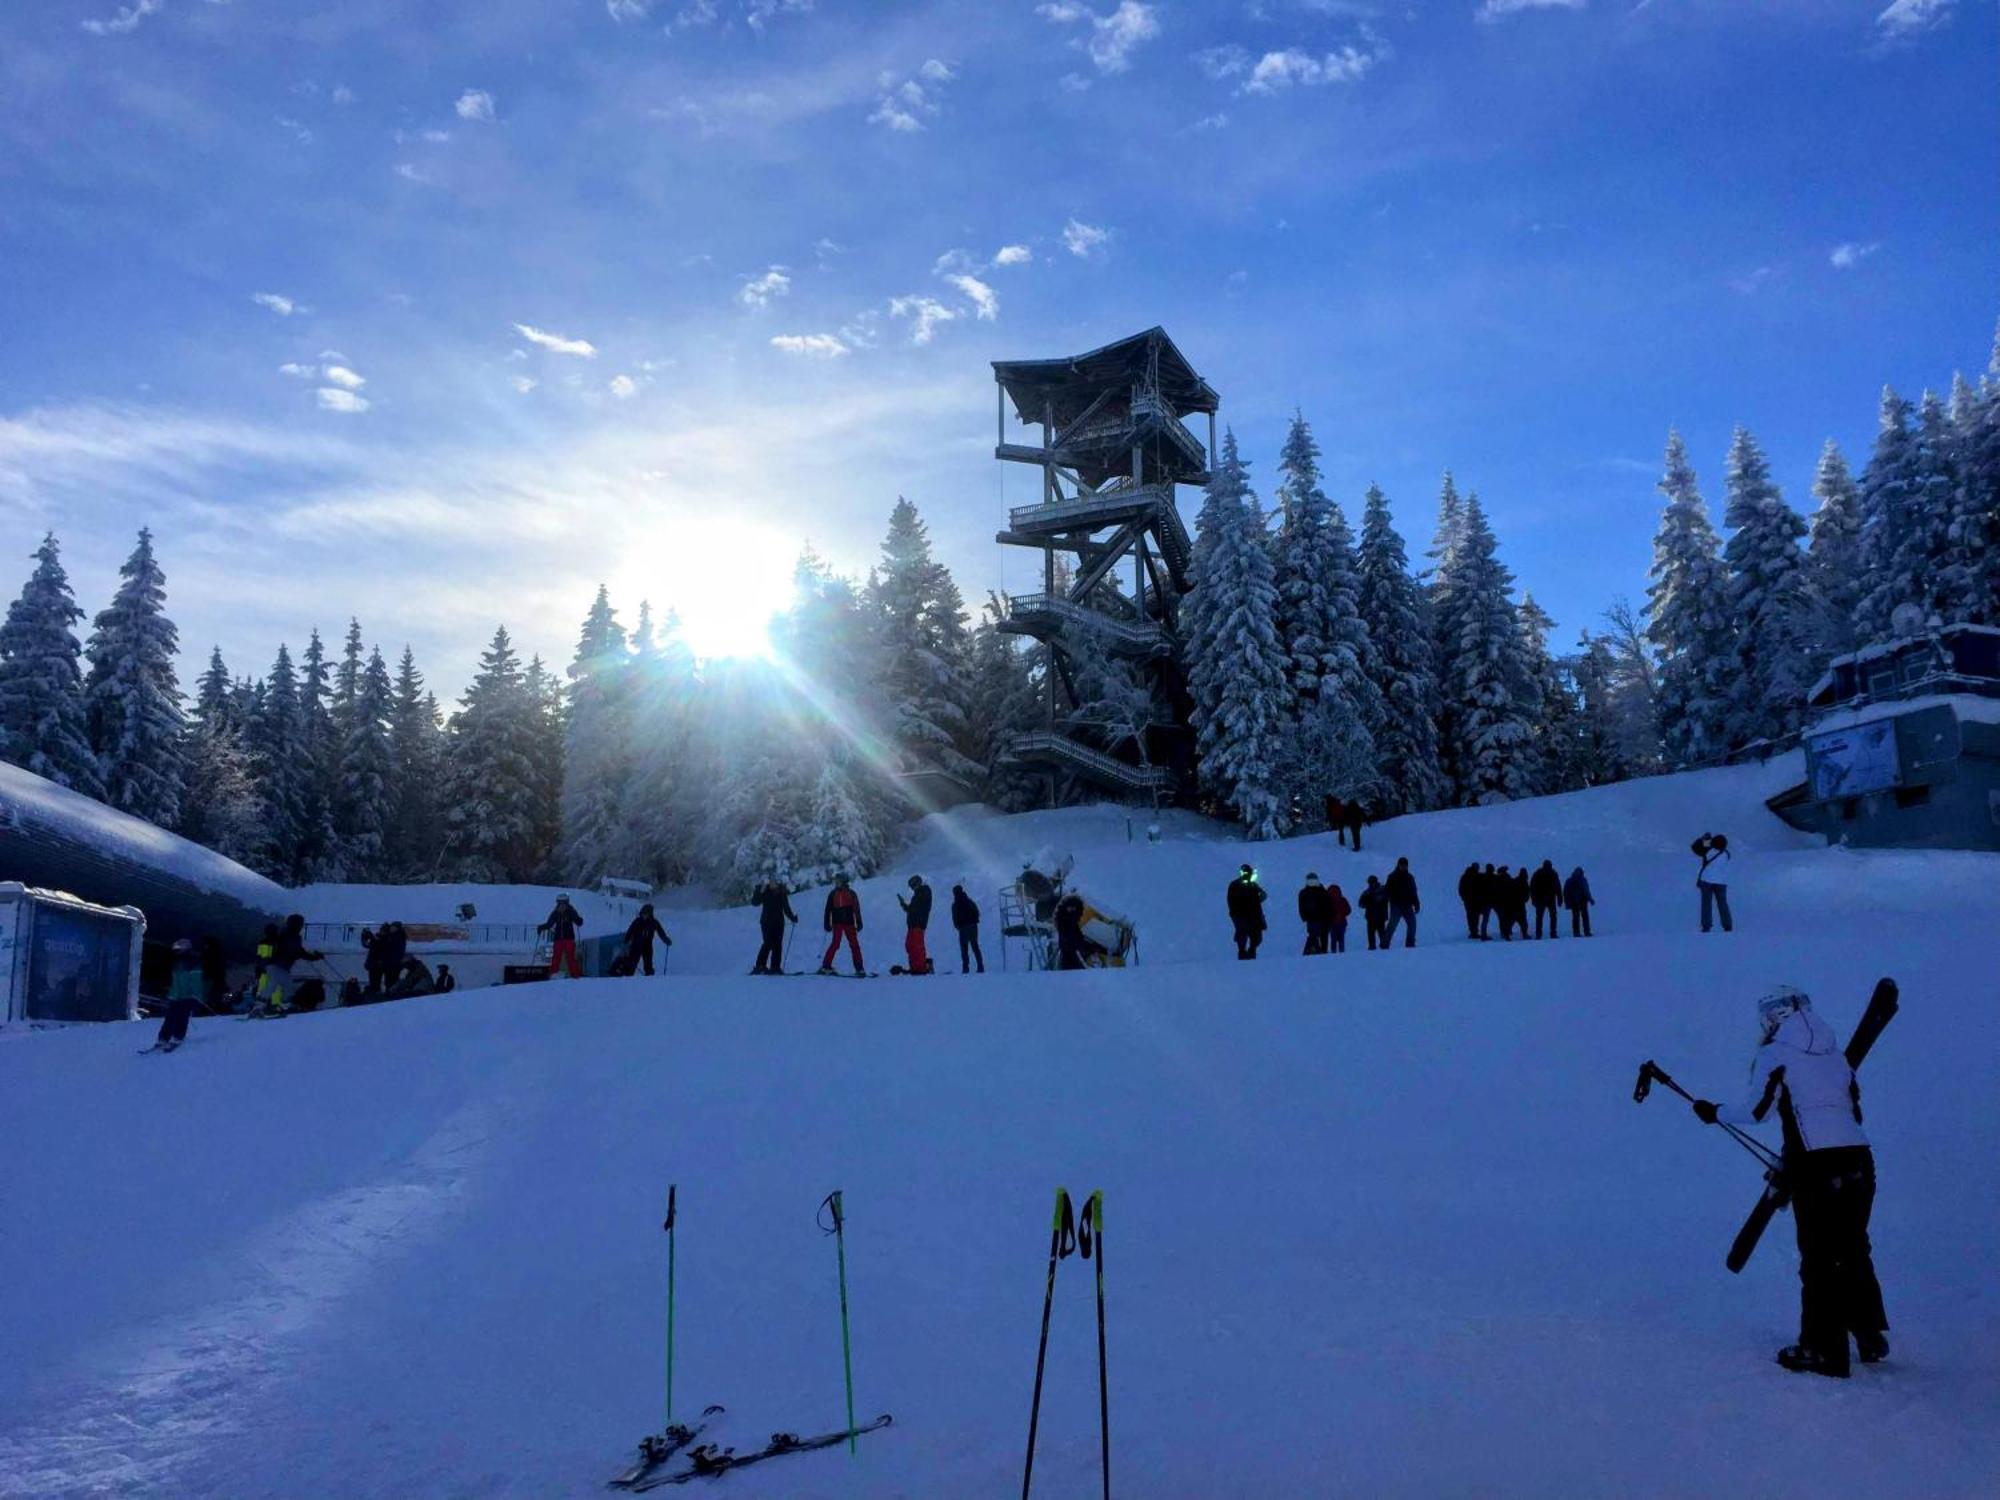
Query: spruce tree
x=319, y=842
x=1833, y=555
x=215, y=697
x=1005, y=703
x=1688, y=620
x=1319, y=616
x=365, y=789
x=495, y=774
x=1236, y=667
x=413, y=834
x=284, y=772
x=598, y=747
x=221, y=809
x=1485, y=677
x=1547, y=706
x=1767, y=600
x=1973, y=582
x=667, y=793
x=547, y=715
x=1891, y=549
x=924, y=646
x=1400, y=664
x=43, y=724
x=1597, y=742
x=133, y=698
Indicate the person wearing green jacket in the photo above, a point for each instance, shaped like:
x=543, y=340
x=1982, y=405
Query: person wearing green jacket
x=183, y=991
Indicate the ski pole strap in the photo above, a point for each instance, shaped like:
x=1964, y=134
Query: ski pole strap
x=1064, y=1226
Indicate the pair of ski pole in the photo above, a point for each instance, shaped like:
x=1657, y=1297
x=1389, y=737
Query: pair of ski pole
x=1066, y=1234
x=838, y=1229
x=1651, y=1073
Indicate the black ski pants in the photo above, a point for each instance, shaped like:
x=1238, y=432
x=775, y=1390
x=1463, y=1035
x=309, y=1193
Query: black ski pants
x=1546, y=909
x=1474, y=912
x=1247, y=939
x=1579, y=921
x=174, y=1027
x=771, y=957
x=1337, y=936
x=1405, y=917
x=1316, y=937
x=968, y=949
x=1376, y=939
x=1833, y=1192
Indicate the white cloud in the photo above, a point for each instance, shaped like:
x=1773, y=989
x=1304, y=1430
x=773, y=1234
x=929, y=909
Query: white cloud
x=278, y=303
x=759, y=290
x=1112, y=36
x=623, y=11
x=409, y=173
x=523, y=383
x=1496, y=10
x=333, y=398
x=1013, y=255
x=810, y=345
x=1074, y=83
x=474, y=104
x=341, y=94
x=985, y=301
x=927, y=312
x=126, y=18
x=437, y=137
x=1751, y=282
x=624, y=387
x=905, y=104
x=555, y=343
x=1846, y=257
x=1906, y=18
x=298, y=371
x=1084, y=240
x=1277, y=71
x=345, y=378
x=759, y=12
x=1212, y=122
x=1226, y=61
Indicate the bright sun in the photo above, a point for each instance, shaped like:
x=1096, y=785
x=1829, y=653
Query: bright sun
x=725, y=578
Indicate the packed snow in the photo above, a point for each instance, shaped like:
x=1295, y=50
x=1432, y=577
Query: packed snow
x=1381, y=1224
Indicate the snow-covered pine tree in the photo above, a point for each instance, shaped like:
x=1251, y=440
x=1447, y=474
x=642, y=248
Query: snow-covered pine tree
x=133, y=698
x=1236, y=666
x=1400, y=663
x=1113, y=700
x=346, y=678
x=1597, y=755
x=1635, y=691
x=43, y=725
x=923, y=669
x=413, y=835
x=1485, y=678
x=1547, y=705
x=221, y=808
x=598, y=745
x=215, y=697
x=1006, y=701
x=1767, y=599
x=1891, y=563
x=1319, y=615
x=667, y=795
x=1973, y=585
x=841, y=835
x=365, y=791
x=320, y=844
x=1833, y=555
x=1934, y=504
x=545, y=696
x=494, y=778
x=282, y=767
x=1688, y=620
x=1450, y=527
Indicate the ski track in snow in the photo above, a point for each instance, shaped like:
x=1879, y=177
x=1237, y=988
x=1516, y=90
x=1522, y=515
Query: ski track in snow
x=135, y=1417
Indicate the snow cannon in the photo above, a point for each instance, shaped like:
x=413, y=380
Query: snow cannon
x=1111, y=932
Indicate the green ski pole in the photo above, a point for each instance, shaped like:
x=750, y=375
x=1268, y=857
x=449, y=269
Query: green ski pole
x=839, y=1233
x=1103, y=1381
x=672, y=1190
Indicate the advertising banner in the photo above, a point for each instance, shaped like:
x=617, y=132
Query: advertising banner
x=1849, y=762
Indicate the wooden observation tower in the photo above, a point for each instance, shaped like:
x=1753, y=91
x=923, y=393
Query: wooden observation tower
x=1113, y=448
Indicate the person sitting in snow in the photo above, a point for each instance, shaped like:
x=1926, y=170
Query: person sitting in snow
x=1801, y=1072
x=562, y=926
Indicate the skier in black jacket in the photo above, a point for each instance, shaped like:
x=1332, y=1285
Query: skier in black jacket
x=1374, y=904
x=1401, y=890
x=965, y=922
x=916, y=917
x=562, y=926
x=289, y=949
x=1246, y=912
x=1472, y=894
x=774, y=910
x=1577, y=897
x=1316, y=911
x=1074, y=949
x=1545, y=888
x=639, y=940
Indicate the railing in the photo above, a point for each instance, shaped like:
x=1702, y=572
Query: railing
x=1148, y=403
x=1142, y=638
x=477, y=934
x=1043, y=745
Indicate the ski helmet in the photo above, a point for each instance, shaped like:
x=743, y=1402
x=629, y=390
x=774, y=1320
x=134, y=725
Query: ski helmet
x=1777, y=1003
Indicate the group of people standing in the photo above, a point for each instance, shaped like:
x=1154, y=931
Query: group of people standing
x=841, y=920
x=1506, y=894
x=1387, y=905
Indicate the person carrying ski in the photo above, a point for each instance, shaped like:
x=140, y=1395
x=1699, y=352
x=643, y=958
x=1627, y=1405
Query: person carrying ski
x=1401, y=890
x=1374, y=904
x=183, y=991
x=1472, y=895
x=1316, y=911
x=842, y=920
x=1712, y=880
x=1074, y=950
x=1577, y=897
x=1545, y=888
x=774, y=910
x=917, y=917
x=562, y=926
x=1246, y=912
x=639, y=940
x=965, y=922
x=1338, y=911
x=1801, y=1071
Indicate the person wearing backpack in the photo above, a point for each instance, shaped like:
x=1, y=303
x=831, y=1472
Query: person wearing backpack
x=1712, y=879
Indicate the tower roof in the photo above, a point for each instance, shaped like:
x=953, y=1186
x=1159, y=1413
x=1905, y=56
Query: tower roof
x=1070, y=385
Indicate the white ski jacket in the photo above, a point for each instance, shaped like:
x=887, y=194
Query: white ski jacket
x=1803, y=1072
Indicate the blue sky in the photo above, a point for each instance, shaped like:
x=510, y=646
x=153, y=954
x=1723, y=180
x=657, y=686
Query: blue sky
x=441, y=312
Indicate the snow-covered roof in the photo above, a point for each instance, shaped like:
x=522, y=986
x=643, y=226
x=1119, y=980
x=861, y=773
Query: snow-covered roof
x=1971, y=708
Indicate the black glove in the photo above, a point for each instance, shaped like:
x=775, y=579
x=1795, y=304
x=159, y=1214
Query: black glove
x=1704, y=1111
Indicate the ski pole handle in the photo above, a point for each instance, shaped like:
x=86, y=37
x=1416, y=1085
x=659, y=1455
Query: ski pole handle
x=672, y=1189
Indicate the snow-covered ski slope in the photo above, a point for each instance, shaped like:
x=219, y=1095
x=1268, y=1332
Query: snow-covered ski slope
x=1376, y=1224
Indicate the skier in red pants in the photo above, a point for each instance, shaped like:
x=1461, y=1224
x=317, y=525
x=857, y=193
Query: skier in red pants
x=562, y=927
x=918, y=910
x=842, y=920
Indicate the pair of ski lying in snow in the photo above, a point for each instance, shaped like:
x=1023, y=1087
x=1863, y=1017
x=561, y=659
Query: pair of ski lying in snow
x=708, y=1460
